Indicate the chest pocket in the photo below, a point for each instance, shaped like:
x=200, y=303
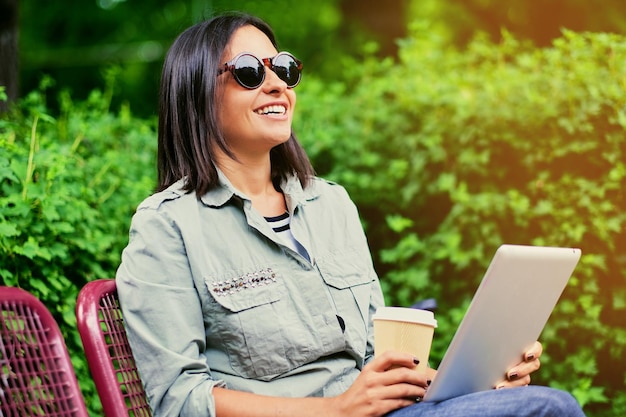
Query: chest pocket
x=350, y=287
x=246, y=319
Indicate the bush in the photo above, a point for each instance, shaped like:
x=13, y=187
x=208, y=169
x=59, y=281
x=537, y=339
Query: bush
x=449, y=154
x=70, y=185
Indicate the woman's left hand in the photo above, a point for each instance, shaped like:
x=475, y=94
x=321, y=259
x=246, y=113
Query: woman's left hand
x=519, y=375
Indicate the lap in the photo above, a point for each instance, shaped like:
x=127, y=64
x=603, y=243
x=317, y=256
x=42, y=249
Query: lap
x=535, y=401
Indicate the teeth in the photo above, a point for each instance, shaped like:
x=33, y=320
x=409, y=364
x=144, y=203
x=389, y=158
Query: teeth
x=272, y=110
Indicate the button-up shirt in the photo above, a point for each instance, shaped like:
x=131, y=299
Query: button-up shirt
x=212, y=296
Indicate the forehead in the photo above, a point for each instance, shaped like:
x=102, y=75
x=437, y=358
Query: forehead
x=249, y=39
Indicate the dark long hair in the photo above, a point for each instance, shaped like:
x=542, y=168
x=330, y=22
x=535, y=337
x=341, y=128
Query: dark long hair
x=188, y=115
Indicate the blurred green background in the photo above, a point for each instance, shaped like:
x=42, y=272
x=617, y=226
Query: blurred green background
x=73, y=40
x=456, y=126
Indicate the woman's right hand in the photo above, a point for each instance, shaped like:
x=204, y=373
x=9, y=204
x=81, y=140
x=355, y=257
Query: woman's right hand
x=385, y=384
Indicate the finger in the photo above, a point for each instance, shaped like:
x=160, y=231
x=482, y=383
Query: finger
x=403, y=391
x=393, y=359
x=534, y=352
x=523, y=369
x=520, y=379
x=398, y=376
x=391, y=369
x=519, y=382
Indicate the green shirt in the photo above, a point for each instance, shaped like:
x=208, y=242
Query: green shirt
x=212, y=296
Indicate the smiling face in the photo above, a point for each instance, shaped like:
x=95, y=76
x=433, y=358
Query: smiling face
x=253, y=121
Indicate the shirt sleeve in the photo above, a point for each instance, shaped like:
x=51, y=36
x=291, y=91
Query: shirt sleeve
x=163, y=317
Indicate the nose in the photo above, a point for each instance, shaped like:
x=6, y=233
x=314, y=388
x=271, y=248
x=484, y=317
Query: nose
x=272, y=81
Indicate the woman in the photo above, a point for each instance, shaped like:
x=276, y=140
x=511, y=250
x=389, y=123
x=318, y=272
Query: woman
x=247, y=286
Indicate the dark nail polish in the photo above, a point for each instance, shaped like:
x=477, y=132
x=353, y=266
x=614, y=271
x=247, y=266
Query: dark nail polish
x=428, y=382
x=513, y=376
x=416, y=361
x=530, y=357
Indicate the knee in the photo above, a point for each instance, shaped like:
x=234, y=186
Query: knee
x=555, y=403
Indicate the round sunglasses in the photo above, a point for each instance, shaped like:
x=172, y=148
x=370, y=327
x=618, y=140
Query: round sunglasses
x=249, y=71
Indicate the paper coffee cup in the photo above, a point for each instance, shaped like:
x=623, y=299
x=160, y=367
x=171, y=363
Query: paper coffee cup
x=404, y=329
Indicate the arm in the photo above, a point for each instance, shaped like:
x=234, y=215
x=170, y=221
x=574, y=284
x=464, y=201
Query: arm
x=378, y=390
x=164, y=319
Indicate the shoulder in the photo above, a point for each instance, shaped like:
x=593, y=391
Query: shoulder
x=172, y=196
x=165, y=209
x=329, y=195
x=322, y=186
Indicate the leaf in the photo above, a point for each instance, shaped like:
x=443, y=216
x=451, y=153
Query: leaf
x=32, y=250
x=8, y=230
x=398, y=223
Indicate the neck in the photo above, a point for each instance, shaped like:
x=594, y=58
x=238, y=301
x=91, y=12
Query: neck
x=253, y=178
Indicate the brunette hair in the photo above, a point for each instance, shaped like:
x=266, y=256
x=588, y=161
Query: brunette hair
x=187, y=110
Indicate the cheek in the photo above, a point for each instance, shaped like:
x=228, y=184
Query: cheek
x=292, y=98
x=219, y=103
x=229, y=112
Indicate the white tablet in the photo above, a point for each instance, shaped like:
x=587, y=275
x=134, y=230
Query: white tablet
x=506, y=316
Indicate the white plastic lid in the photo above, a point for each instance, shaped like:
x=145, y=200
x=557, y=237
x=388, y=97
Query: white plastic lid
x=412, y=315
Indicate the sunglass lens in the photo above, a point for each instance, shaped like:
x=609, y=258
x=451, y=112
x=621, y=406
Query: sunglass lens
x=249, y=71
x=287, y=69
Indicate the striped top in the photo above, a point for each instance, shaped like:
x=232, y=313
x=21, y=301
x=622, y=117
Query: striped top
x=280, y=225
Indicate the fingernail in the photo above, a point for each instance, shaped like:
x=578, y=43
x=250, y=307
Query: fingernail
x=513, y=376
x=428, y=382
x=416, y=361
x=500, y=387
x=530, y=357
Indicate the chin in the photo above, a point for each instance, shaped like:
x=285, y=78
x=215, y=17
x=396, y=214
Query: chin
x=282, y=137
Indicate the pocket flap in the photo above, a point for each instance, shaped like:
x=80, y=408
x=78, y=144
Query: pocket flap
x=343, y=271
x=238, y=292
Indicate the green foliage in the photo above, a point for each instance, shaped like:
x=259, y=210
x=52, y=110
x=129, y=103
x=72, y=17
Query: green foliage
x=449, y=154
x=135, y=35
x=537, y=20
x=69, y=185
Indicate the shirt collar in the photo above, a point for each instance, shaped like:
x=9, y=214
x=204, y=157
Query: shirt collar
x=291, y=187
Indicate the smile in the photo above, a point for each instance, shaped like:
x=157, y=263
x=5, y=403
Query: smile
x=272, y=110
